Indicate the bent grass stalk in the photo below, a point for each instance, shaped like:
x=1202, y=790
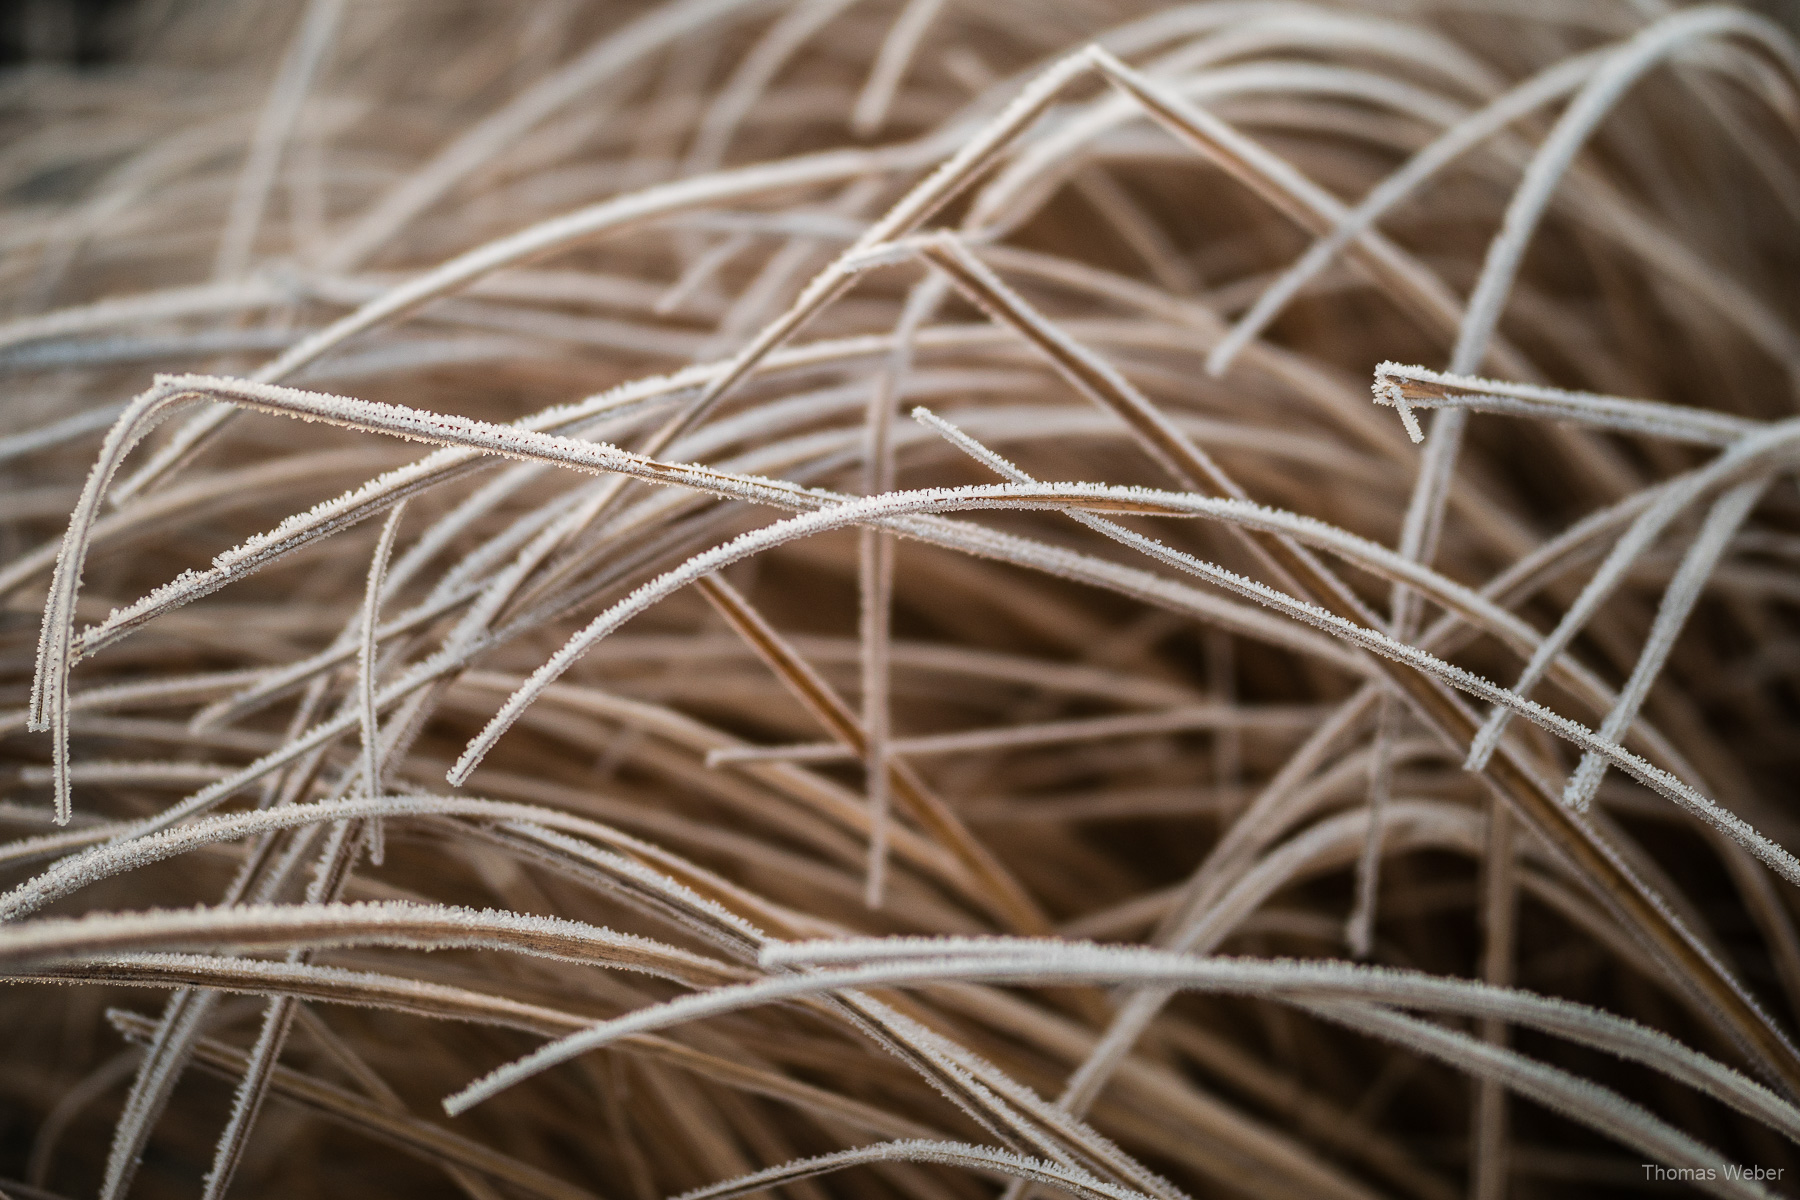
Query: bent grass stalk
x=649, y=293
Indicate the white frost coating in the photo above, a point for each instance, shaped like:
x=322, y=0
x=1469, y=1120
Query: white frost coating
x=537, y=241
x=1697, y=565
x=365, y=676
x=525, y=554
x=1773, y=446
x=131, y=852
x=1139, y=1011
x=1597, y=1107
x=392, y=923
x=259, y=976
x=1044, y=963
x=890, y=510
x=1121, y=964
x=1506, y=702
x=48, y=707
x=1440, y=389
x=1003, y=547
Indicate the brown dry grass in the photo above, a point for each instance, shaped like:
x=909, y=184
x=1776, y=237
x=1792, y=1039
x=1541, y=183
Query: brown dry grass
x=757, y=757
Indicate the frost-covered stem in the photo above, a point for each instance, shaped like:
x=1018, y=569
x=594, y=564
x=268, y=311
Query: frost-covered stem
x=366, y=671
x=1683, y=592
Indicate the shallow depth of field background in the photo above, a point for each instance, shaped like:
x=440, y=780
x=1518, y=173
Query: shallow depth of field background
x=1194, y=670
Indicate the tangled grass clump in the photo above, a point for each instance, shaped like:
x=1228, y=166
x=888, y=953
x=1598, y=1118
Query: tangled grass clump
x=902, y=598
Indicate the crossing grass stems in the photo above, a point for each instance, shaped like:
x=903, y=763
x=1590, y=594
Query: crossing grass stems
x=857, y=598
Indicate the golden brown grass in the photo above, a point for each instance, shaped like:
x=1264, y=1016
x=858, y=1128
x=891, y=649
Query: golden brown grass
x=902, y=599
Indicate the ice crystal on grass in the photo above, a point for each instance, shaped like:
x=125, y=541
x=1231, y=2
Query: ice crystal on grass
x=797, y=753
